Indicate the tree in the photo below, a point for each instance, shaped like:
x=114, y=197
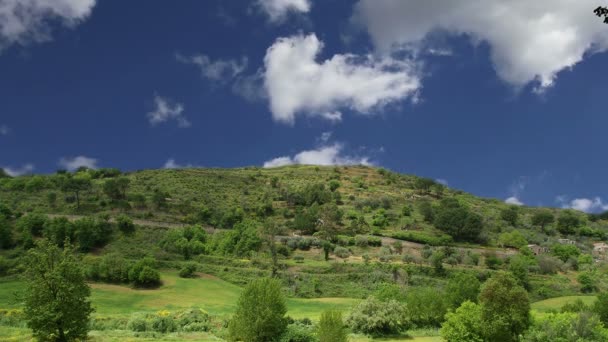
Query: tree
x=600, y=307
x=519, y=267
x=6, y=233
x=513, y=239
x=424, y=185
x=567, y=222
x=460, y=288
x=456, y=220
x=579, y=327
x=464, y=324
x=374, y=317
x=505, y=308
x=565, y=252
x=116, y=188
x=426, y=209
x=426, y=306
x=510, y=215
x=542, y=218
x=57, y=306
x=125, y=224
x=327, y=248
x=260, y=312
x=268, y=231
x=331, y=327
x=76, y=185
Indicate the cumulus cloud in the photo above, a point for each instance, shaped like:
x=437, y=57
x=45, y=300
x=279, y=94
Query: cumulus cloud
x=514, y=200
x=4, y=130
x=172, y=164
x=168, y=110
x=332, y=154
x=442, y=181
x=277, y=10
x=74, y=163
x=296, y=83
x=215, y=70
x=18, y=171
x=26, y=21
x=529, y=40
x=587, y=205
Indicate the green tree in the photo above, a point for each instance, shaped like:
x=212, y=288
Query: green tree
x=566, y=327
x=460, y=288
x=519, y=267
x=567, y=222
x=125, y=224
x=76, y=185
x=542, y=218
x=6, y=232
x=269, y=231
x=424, y=185
x=426, y=209
x=510, y=215
x=600, y=307
x=57, y=306
x=116, y=188
x=426, y=306
x=377, y=318
x=331, y=327
x=463, y=325
x=260, y=312
x=505, y=308
x=565, y=252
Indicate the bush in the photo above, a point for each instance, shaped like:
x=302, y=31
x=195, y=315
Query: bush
x=298, y=332
x=331, y=327
x=125, y=224
x=137, y=323
x=148, y=277
x=187, y=270
x=193, y=320
x=426, y=307
x=377, y=318
x=342, y=252
x=464, y=324
x=164, y=323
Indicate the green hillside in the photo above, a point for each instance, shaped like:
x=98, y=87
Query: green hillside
x=331, y=235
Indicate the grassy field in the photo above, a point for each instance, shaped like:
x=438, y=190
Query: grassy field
x=558, y=302
x=210, y=293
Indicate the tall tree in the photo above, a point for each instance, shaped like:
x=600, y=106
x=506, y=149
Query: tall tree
x=268, y=231
x=260, y=312
x=331, y=327
x=505, y=308
x=542, y=218
x=57, y=306
x=76, y=185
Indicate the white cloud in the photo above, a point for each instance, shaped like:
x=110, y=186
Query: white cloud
x=297, y=84
x=25, y=21
x=219, y=70
x=277, y=10
x=4, y=130
x=586, y=205
x=172, y=164
x=514, y=200
x=72, y=164
x=442, y=181
x=529, y=40
x=18, y=171
x=167, y=110
x=323, y=155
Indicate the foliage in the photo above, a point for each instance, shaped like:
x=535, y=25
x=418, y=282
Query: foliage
x=567, y=222
x=125, y=224
x=298, y=332
x=464, y=324
x=510, y=215
x=513, y=239
x=260, y=312
x=565, y=252
x=542, y=218
x=426, y=306
x=144, y=274
x=460, y=288
x=188, y=241
x=57, y=306
x=505, y=308
x=331, y=327
x=567, y=327
x=187, y=270
x=600, y=307
x=374, y=317
x=457, y=221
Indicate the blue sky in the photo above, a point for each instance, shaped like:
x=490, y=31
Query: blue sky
x=499, y=99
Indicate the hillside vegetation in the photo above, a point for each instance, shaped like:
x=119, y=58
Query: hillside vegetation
x=332, y=236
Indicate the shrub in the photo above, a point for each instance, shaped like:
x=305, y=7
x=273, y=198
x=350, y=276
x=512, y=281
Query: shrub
x=298, y=332
x=426, y=307
x=125, y=224
x=342, y=252
x=377, y=318
x=148, y=277
x=331, y=327
x=164, y=322
x=193, y=320
x=187, y=270
x=137, y=323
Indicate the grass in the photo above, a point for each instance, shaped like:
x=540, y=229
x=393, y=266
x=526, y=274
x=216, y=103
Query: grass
x=557, y=302
x=210, y=293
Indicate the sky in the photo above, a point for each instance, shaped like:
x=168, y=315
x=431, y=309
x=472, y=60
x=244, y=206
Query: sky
x=503, y=99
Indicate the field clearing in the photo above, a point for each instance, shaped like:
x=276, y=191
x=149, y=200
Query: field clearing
x=557, y=302
x=216, y=296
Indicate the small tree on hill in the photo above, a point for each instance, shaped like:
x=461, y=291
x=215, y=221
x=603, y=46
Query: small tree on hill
x=76, y=185
x=510, y=215
x=542, y=218
x=260, y=312
x=57, y=306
